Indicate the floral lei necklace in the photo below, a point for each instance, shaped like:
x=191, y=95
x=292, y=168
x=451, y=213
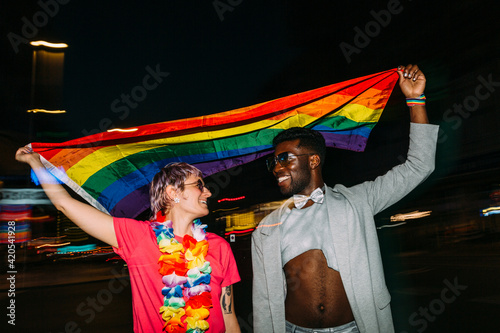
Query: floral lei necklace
x=186, y=275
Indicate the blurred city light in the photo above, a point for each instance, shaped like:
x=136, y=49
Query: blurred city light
x=410, y=216
x=490, y=211
x=45, y=111
x=231, y=199
x=122, y=130
x=48, y=44
x=52, y=245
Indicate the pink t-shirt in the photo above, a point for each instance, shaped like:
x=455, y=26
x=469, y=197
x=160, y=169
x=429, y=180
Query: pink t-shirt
x=138, y=247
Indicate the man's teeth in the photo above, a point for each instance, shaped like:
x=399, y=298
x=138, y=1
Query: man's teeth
x=204, y=202
x=282, y=179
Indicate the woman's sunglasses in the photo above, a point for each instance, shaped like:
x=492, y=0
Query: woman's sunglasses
x=283, y=159
x=199, y=183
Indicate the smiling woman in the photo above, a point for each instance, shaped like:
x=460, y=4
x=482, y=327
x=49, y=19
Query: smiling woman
x=177, y=270
x=195, y=266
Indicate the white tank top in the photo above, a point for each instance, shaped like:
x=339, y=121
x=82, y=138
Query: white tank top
x=307, y=229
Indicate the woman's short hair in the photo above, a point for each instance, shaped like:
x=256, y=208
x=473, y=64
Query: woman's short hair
x=174, y=174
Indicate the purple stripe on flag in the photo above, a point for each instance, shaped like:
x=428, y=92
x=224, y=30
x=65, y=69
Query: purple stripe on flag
x=212, y=167
x=342, y=141
x=133, y=204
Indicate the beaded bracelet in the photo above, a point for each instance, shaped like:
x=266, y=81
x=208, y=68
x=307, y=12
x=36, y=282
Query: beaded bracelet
x=416, y=101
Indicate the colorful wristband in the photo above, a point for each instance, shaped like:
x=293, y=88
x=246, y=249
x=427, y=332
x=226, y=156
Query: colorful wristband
x=416, y=101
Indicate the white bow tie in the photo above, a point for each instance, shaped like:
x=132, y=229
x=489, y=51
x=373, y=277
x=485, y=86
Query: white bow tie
x=300, y=200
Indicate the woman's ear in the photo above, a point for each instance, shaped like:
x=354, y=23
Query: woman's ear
x=171, y=192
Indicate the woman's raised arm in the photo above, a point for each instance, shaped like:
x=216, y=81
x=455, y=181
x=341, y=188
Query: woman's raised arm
x=89, y=219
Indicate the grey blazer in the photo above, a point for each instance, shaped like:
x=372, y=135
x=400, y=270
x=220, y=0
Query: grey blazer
x=354, y=238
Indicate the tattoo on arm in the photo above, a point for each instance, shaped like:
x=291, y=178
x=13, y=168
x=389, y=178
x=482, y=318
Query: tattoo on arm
x=226, y=301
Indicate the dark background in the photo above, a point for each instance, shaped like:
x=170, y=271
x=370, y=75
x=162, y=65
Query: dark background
x=247, y=52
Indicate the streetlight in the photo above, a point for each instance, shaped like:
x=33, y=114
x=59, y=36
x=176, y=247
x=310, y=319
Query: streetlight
x=46, y=79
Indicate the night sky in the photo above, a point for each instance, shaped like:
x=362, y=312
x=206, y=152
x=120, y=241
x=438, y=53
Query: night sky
x=233, y=55
x=214, y=56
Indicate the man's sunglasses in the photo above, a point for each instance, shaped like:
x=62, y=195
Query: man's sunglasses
x=283, y=159
x=199, y=183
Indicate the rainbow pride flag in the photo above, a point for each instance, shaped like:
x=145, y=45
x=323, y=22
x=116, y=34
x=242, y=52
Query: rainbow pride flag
x=112, y=170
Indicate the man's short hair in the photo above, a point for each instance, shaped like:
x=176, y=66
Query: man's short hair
x=309, y=138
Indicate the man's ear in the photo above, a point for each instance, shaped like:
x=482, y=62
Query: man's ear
x=314, y=161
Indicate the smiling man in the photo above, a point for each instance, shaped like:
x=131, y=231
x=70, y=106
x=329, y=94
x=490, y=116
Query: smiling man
x=316, y=260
